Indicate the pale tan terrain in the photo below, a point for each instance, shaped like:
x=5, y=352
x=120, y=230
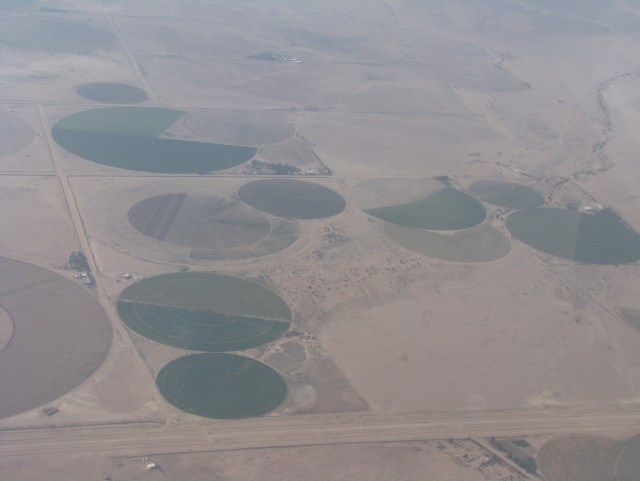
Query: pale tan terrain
x=395, y=352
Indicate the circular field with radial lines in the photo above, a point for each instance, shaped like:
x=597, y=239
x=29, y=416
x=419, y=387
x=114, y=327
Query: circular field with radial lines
x=292, y=198
x=53, y=336
x=112, y=93
x=506, y=194
x=223, y=386
x=213, y=227
x=593, y=239
x=583, y=457
x=204, y=311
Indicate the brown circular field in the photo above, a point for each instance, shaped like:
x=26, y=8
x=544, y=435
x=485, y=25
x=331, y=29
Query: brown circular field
x=214, y=227
x=61, y=335
x=15, y=134
x=585, y=457
x=292, y=198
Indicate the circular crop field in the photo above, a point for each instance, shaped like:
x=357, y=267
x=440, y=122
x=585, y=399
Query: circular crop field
x=222, y=386
x=54, y=34
x=15, y=134
x=582, y=457
x=203, y=222
x=446, y=209
x=482, y=243
x=112, y=93
x=292, y=198
x=204, y=311
x=59, y=335
x=506, y=194
x=376, y=193
x=592, y=239
x=129, y=138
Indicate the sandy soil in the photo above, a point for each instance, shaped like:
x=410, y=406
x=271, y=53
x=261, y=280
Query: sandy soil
x=385, y=92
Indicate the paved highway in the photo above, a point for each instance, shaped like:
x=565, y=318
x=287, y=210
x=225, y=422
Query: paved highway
x=281, y=431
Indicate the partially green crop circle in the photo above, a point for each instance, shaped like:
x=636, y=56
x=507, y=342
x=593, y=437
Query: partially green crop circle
x=588, y=238
x=204, y=311
x=130, y=138
x=446, y=209
x=222, y=386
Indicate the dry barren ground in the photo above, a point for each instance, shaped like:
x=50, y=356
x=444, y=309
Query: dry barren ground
x=386, y=95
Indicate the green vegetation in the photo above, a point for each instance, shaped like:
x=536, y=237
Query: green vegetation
x=292, y=198
x=482, y=243
x=222, y=386
x=200, y=330
x=204, y=312
x=126, y=137
x=52, y=34
x=148, y=122
x=574, y=235
x=447, y=209
x=506, y=194
x=208, y=291
x=112, y=93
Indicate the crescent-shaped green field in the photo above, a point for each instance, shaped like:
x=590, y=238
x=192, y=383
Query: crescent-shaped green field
x=446, y=209
x=129, y=138
x=204, y=311
x=221, y=386
x=588, y=238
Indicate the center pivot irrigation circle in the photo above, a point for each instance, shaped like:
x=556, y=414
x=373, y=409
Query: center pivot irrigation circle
x=54, y=336
x=222, y=386
x=204, y=311
x=292, y=198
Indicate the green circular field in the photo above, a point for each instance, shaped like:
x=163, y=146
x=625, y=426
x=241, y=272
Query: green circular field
x=482, y=243
x=129, y=138
x=54, y=34
x=221, y=386
x=446, y=209
x=592, y=239
x=112, y=93
x=204, y=311
x=292, y=198
x=506, y=194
